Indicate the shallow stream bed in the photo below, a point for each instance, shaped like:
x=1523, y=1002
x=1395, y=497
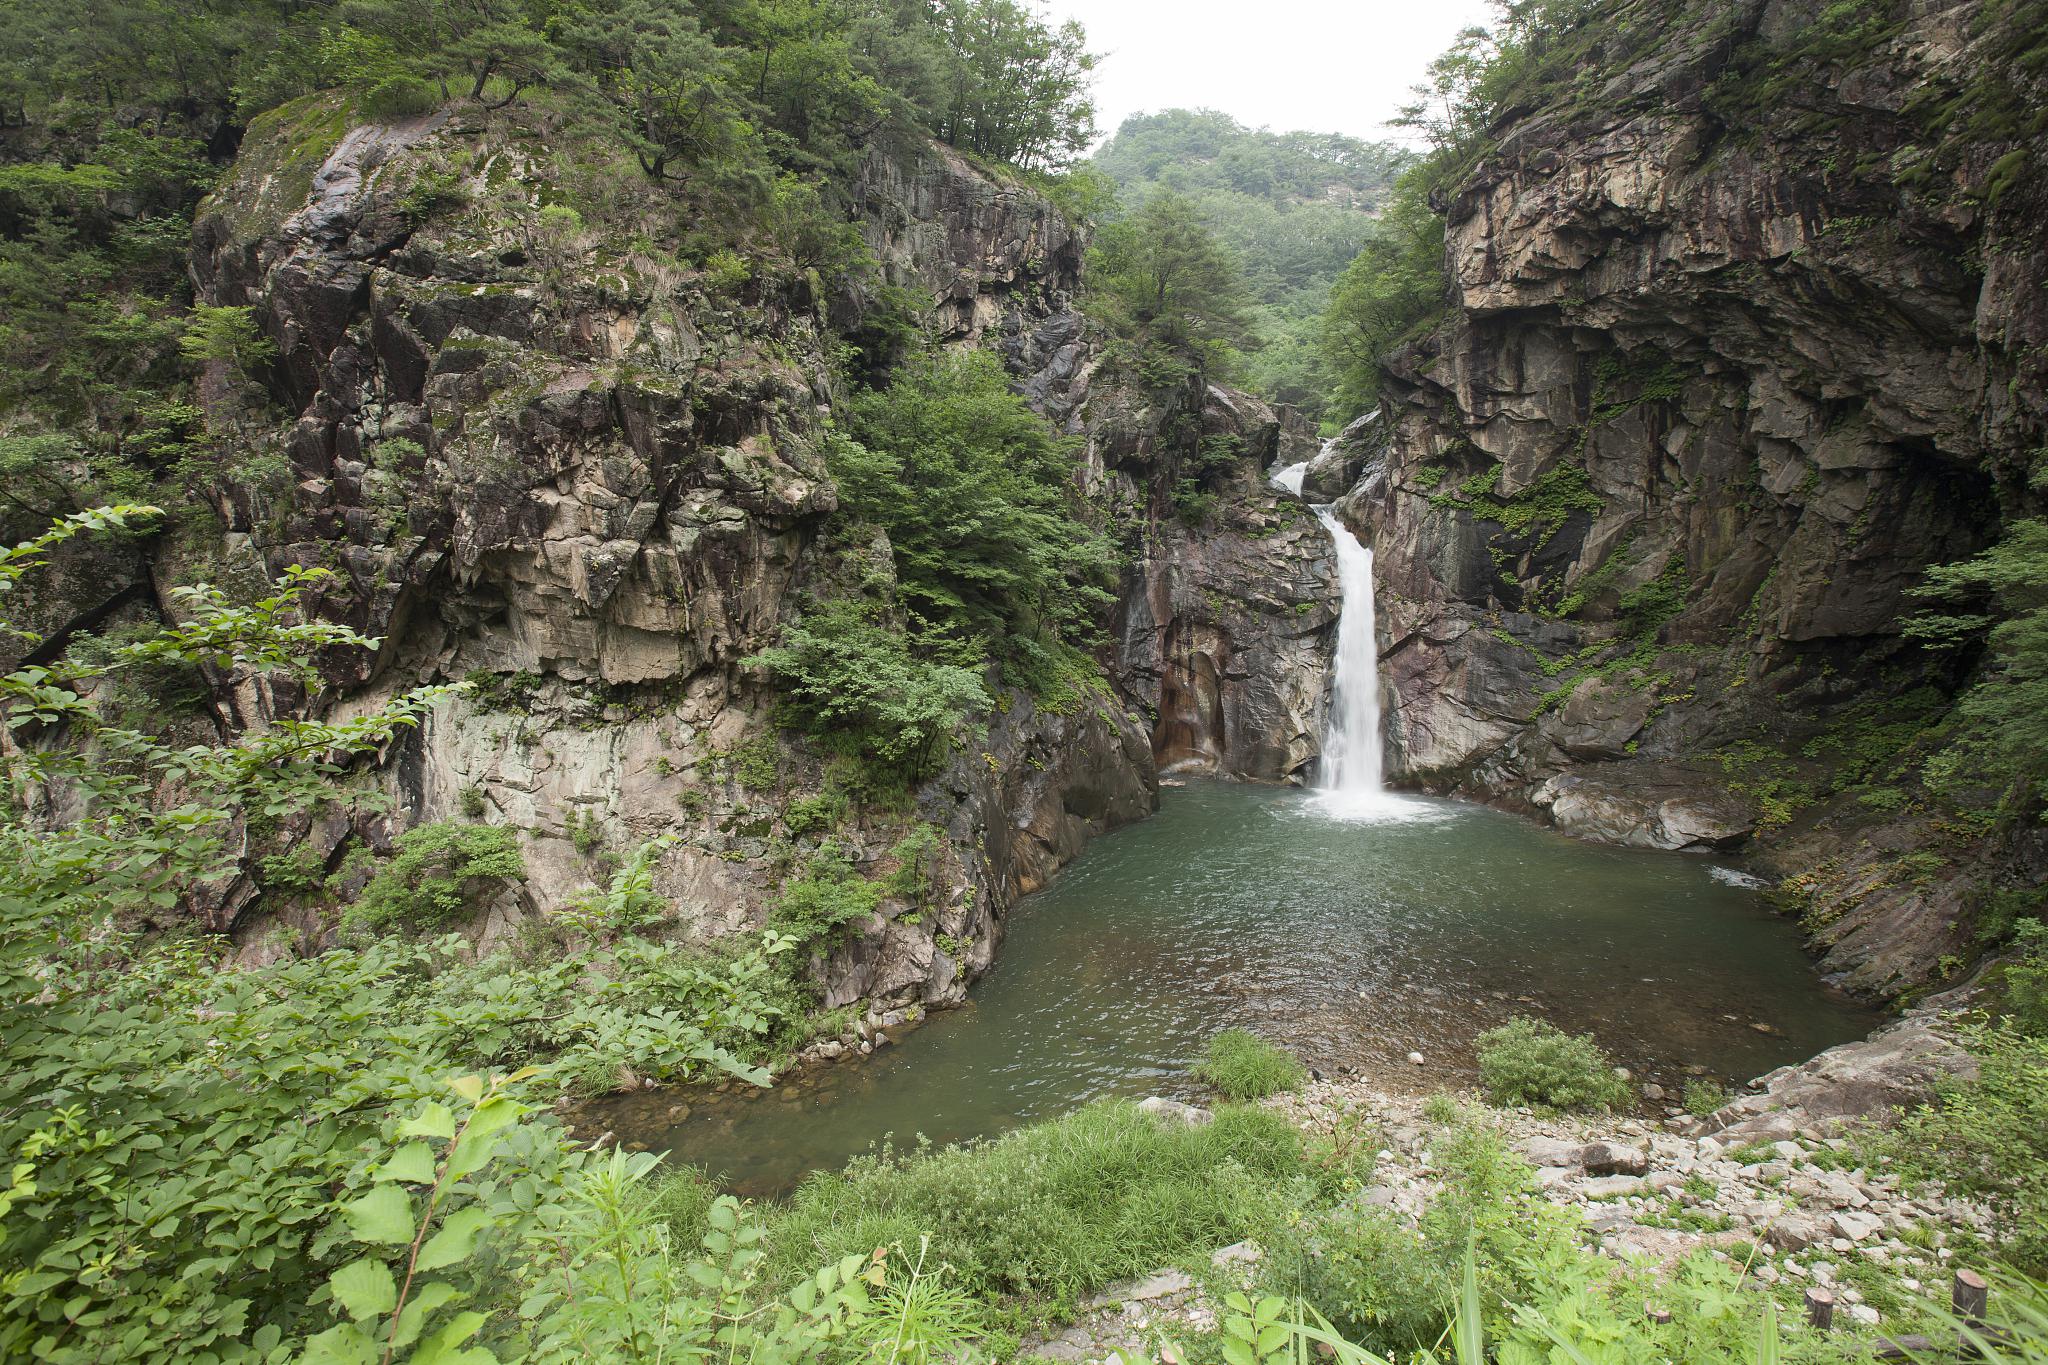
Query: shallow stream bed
x=1354, y=940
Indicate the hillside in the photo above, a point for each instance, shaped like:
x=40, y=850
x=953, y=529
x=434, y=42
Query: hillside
x=1294, y=207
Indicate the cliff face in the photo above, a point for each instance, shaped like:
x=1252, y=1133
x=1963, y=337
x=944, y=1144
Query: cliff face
x=1717, y=385
x=584, y=476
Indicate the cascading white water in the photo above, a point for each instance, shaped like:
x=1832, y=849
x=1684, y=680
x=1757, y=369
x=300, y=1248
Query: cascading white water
x=1351, y=778
x=1351, y=768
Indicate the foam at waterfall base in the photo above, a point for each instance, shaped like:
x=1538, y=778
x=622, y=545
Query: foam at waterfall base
x=1377, y=807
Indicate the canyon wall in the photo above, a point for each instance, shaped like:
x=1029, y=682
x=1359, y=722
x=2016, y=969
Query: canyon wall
x=1720, y=378
x=584, y=477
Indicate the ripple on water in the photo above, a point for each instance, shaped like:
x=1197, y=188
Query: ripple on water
x=1352, y=937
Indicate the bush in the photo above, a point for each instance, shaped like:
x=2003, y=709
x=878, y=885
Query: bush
x=1244, y=1066
x=846, y=677
x=441, y=873
x=1704, y=1095
x=1059, y=1209
x=1986, y=1137
x=397, y=97
x=1526, y=1061
x=830, y=895
x=1373, y=1277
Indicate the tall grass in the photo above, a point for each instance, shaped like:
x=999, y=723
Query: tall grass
x=1243, y=1066
x=1055, y=1211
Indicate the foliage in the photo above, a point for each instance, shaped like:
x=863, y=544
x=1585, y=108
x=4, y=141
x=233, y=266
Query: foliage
x=628, y=903
x=1011, y=88
x=2000, y=743
x=441, y=873
x=1985, y=1136
x=845, y=675
x=188, y=1140
x=1295, y=208
x=830, y=895
x=1058, y=1209
x=1528, y=1061
x=1159, y=278
x=601, y=1275
x=1243, y=1066
x=1393, y=287
x=977, y=497
x=1703, y=1095
x=990, y=560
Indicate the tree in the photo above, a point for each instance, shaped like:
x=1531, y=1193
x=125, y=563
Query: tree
x=978, y=498
x=1015, y=88
x=1160, y=275
x=1390, y=288
x=2001, y=741
x=846, y=674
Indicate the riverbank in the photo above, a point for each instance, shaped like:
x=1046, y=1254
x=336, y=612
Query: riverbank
x=1799, y=1217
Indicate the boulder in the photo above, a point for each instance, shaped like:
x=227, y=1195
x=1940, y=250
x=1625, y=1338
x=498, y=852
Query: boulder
x=1173, y=1111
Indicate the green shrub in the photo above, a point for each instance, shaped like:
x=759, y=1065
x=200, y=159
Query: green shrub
x=1243, y=1066
x=1373, y=1276
x=2025, y=979
x=846, y=676
x=1986, y=1137
x=816, y=907
x=815, y=814
x=440, y=873
x=397, y=97
x=1527, y=1061
x=1059, y=1209
x=1704, y=1095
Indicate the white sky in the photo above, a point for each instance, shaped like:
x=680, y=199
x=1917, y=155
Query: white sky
x=1322, y=65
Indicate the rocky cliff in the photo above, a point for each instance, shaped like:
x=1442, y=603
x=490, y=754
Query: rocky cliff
x=582, y=474
x=1739, y=344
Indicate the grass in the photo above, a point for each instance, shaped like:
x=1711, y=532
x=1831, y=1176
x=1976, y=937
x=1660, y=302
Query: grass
x=1242, y=1066
x=1050, y=1213
x=1526, y=1061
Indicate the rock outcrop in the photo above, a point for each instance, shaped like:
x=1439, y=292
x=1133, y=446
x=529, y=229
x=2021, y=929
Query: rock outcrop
x=585, y=477
x=1721, y=381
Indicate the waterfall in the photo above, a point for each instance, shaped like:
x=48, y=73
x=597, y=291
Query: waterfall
x=1351, y=770
x=1290, y=477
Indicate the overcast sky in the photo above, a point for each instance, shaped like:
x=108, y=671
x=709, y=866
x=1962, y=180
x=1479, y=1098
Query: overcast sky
x=1327, y=66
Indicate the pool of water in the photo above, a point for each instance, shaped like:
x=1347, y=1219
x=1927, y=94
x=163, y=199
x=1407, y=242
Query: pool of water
x=1354, y=936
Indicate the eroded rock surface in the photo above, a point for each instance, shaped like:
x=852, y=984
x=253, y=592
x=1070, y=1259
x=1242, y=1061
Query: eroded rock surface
x=587, y=478
x=1716, y=389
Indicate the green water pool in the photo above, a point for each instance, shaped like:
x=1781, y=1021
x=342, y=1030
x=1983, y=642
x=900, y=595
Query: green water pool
x=1353, y=942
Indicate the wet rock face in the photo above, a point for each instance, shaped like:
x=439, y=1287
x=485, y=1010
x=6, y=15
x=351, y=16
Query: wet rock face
x=1224, y=629
x=587, y=477
x=1709, y=403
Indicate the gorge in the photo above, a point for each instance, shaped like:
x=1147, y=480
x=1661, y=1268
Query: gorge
x=691, y=580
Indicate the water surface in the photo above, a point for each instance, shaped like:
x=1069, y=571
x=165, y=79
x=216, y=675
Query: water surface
x=1354, y=941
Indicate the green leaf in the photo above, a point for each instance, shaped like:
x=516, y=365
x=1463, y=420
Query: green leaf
x=472, y=1154
x=382, y=1215
x=365, y=1288
x=435, y=1120
x=413, y=1317
x=471, y=1088
x=455, y=1241
x=442, y=1347
x=343, y=1345
x=412, y=1163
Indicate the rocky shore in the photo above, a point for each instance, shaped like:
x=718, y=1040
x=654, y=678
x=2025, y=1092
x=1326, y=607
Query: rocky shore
x=1773, y=1182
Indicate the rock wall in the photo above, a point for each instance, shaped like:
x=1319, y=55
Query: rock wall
x=583, y=475
x=1718, y=384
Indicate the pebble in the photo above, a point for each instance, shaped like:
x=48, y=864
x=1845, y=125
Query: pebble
x=1415, y=1059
